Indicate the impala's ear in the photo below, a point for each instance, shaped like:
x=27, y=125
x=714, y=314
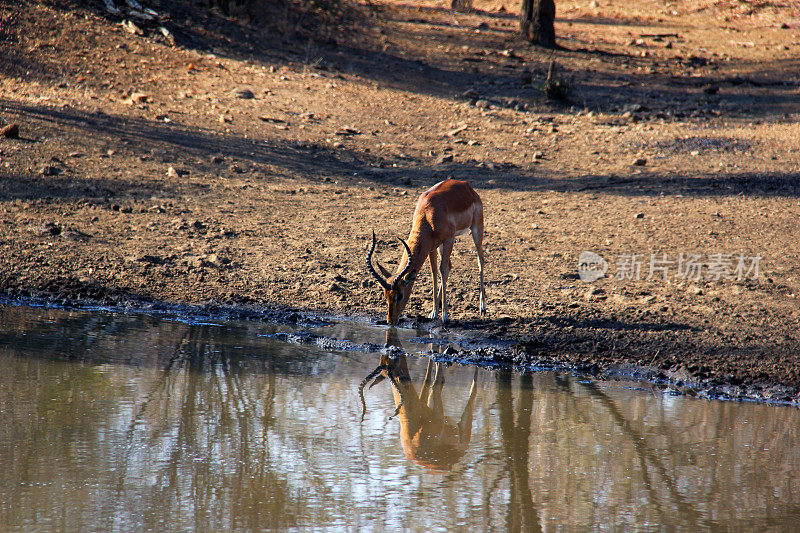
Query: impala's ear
x=383, y=269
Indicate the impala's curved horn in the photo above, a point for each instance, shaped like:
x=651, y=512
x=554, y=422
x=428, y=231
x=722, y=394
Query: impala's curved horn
x=371, y=268
x=363, y=384
x=406, y=268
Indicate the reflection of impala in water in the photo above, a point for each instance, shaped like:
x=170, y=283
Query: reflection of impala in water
x=428, y=436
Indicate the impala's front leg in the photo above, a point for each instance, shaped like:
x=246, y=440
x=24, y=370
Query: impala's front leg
x=436, y=300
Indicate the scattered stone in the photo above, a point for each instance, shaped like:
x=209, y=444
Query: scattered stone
x=454, y=132
x=49, y=170
x=483, y=104
x=639, y=215
x=51, y=228
x=537, y=155
x=444, y=158
x=348, y=131
x=470, y=93
x=594, y=293
x=10, y=131
x=139, y=98
x=244, y=94
x=633, y=108
x=111, y=8
x=640, y=162
x=172, y=172
x=130, y=27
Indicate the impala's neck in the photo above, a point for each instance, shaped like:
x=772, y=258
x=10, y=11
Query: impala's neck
x=420, y=244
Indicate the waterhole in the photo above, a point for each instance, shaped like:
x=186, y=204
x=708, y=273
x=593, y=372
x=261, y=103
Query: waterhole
x=115, y=422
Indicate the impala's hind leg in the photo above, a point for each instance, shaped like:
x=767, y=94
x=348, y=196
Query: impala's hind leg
x=477, y=237
x=436, y=296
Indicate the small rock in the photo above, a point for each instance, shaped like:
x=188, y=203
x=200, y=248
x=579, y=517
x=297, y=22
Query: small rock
x=348, y=131
x=483, y=104
x=640, y=162
x=444, y=158
x=470, y=93
x=10, y=131
x=49, y=170
x=139, y=98
x=131, y=27
x=244, y=94
x=51, y=229
x=537, y=155
x=639, y=215
x=633, y=108
x=172, y=172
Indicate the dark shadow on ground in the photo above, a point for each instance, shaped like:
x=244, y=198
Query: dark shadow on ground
x=448, y=75
x=193, y=148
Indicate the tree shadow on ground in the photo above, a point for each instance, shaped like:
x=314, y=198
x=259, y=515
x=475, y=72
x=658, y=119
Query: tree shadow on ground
x=488, y=67
x=194, y=148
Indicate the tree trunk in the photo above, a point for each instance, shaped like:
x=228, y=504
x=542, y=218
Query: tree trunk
x=536, y=21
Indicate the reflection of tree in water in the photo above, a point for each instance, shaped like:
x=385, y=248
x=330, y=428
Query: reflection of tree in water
x=205, y=420
x=522, y=513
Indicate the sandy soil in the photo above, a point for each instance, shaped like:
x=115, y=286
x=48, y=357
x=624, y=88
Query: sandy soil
x=237, y=166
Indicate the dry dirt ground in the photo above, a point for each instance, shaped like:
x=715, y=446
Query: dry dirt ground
x=236, y=164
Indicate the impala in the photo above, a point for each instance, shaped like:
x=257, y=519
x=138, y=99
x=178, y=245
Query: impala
x=428, y=437
x=446, y=210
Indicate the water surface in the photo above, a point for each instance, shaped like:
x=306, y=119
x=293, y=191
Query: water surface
x=116, y=422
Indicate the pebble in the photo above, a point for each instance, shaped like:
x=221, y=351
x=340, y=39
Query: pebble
x=640, y=162
x=10, y=131
x=49, y=170
x=244, y=94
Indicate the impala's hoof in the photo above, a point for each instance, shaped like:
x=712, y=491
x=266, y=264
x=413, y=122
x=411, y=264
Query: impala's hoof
x=433, y=315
